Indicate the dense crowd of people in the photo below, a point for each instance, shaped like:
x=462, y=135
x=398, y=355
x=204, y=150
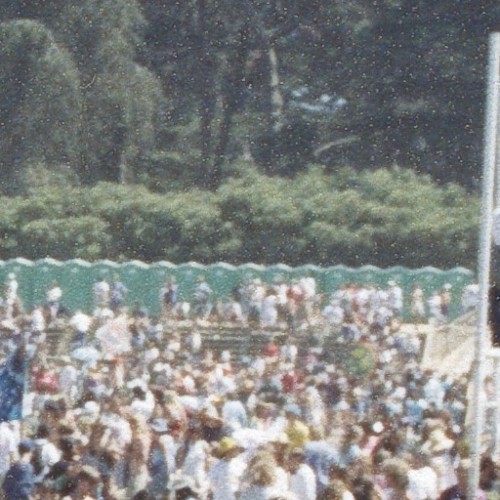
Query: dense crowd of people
x=130, y=406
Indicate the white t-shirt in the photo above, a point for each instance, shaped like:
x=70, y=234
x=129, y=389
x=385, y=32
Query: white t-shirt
x=303, y=483
x=225, y=477
x=423, y=484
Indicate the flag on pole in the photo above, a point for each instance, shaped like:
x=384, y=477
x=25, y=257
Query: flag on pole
x=12, y=381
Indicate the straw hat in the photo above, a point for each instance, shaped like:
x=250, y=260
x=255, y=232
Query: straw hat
x=227, y=445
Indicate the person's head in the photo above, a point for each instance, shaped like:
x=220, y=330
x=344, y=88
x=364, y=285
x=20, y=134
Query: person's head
x=228, y=448
x=25, y=448
x=262, y=474
x=43, y=432
x=193, y=431
x=138, y=393
x=488, y=473
x=67, y=447
x=396, y=473
x=295, y=459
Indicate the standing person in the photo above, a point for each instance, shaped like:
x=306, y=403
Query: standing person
x=169, y=295
x=269, y=311
x=308, y=285
x=302, y=477
x=225, y=475
x=395, y=298
x=234, y=413
x=435, y=303
x=446, y=301
x=422, y=479
x=296, y=430
x=87, y=485
x=45, y=453
x=80, y=323
x=417, y=304
x=11, y=298
x=138, y=455
x=396, y=472
x=19, y=482
x=101, y=291
x=201, y=296
x=157, y=463
x=193, y=458
x=442, y=461
x=470, y=297
x=8, y=448
x=117, y=293
x=262, y=480
x=53, y=307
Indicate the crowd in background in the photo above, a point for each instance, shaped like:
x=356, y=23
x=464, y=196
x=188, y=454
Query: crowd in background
x=130, y=406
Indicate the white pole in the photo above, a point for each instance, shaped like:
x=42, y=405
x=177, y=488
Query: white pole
x=496, y=418
x=484, y=259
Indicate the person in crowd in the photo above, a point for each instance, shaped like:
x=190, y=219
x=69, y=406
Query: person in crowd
x=302, y=477
x=226, y=473
x=286, y=418
x=19, y=482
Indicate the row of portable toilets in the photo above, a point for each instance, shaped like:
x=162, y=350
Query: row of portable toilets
x=144, y=281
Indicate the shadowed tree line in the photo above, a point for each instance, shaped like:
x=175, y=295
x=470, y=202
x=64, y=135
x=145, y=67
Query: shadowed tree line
x=195, y=99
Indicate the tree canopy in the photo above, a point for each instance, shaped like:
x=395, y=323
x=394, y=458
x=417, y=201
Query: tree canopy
x=283, y=130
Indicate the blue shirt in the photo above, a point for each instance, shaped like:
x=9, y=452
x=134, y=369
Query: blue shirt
x=19, y=481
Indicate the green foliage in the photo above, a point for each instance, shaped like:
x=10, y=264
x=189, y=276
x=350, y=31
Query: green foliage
x=281, y=113
x=82, y=237
x=40, y=105
x=390, y=217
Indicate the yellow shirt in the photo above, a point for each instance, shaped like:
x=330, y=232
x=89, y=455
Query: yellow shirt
x=298, y=433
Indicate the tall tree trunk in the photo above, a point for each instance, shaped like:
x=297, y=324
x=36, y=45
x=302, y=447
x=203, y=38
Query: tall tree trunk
x=207, y=98
x=277, y=102
x=233, y=97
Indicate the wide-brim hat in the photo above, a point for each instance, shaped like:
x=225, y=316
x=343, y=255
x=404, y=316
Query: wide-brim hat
x=227, y=445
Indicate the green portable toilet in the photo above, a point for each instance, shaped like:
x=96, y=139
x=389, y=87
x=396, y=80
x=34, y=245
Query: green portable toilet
x=47, y=272
x=332, y=279
x=368, y=276
x=251, y=271
x=278, y=272
x=223, y=279
x=141, y=284
x=76, y=280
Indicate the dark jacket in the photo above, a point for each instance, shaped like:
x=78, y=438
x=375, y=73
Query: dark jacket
x=19, y=481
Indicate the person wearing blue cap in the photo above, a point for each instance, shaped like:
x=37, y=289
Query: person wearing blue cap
x=19, y=481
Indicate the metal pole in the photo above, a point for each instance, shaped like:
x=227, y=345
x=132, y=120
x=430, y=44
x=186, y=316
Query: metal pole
x=484, y=259
x=496, y=417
